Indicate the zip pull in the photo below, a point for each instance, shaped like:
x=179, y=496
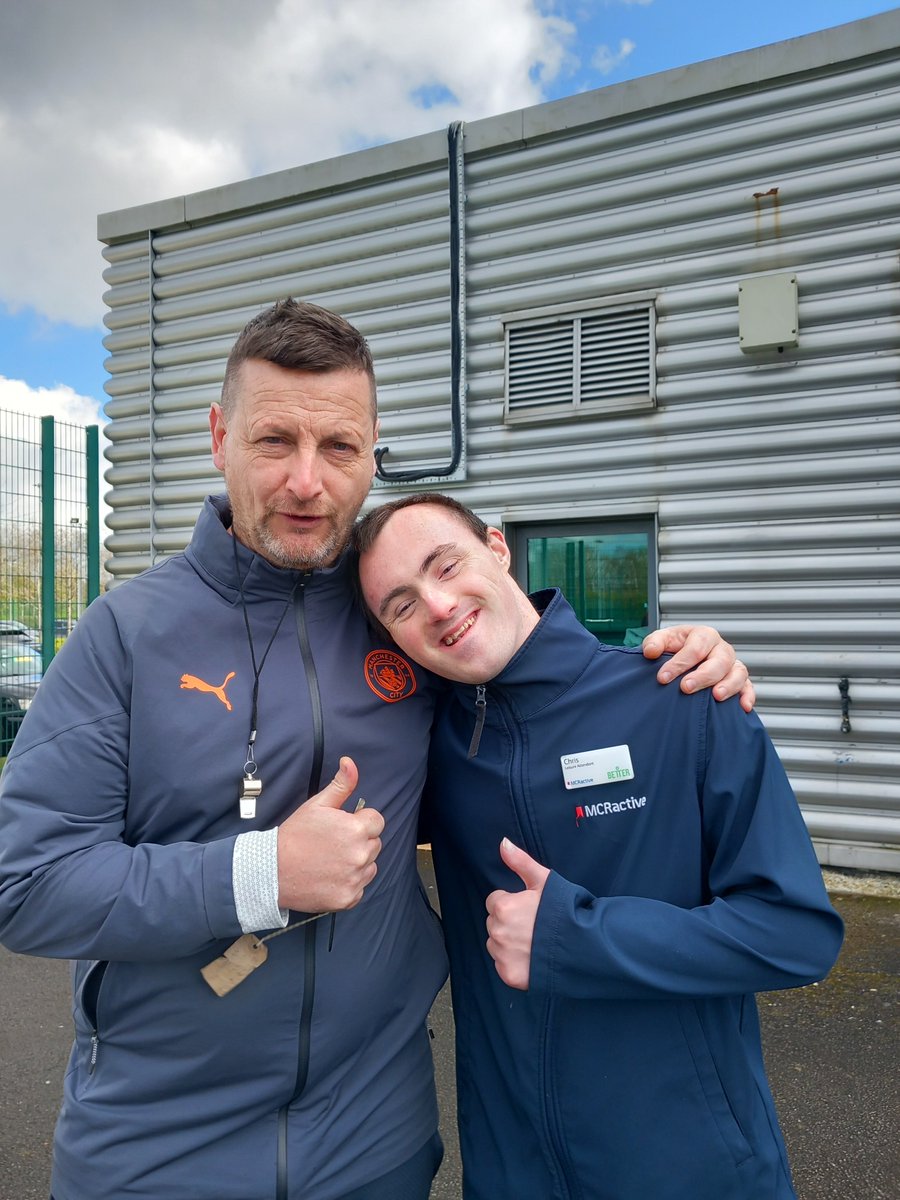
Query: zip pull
x=480, y=711
x=95, y=1048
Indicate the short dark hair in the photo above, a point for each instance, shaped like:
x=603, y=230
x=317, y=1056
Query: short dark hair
x=368, y=529
x=299, y=336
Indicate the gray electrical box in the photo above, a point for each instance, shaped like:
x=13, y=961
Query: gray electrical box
x=768, y=312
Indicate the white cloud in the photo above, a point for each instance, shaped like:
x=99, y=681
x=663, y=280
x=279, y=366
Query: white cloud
x=22, y=445
x=61, y=402
x=104, y=105
x=605, y=60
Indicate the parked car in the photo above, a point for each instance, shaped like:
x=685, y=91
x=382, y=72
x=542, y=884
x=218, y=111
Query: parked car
x=20, y=674
x=16, y=627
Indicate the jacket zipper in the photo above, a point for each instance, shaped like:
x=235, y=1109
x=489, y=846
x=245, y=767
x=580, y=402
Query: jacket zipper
x=480, y=713
x=554, y=1138
x=309, y=961
x=315, y=700
x=90, y=998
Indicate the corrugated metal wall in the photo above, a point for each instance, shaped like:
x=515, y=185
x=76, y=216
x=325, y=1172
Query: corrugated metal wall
x=774, y=475
x=377, y=253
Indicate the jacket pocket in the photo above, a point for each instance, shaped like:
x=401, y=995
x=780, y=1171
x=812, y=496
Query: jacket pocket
x=710, y=1079
x=89, y=1005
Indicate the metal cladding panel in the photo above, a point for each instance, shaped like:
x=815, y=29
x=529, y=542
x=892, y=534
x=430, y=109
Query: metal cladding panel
x=774, y=476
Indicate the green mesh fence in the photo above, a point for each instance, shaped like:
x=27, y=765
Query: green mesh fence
x=49, y=549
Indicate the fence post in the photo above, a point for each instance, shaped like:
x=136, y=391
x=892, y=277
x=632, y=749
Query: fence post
x=48, y=540
x=92, y=479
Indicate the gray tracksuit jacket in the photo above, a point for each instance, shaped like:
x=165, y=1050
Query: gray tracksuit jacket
x=118, y=815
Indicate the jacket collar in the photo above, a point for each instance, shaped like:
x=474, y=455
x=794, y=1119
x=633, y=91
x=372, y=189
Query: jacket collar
x=212, y=554
x=554, y=656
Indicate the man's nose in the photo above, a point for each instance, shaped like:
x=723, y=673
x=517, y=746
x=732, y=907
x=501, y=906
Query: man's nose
x=305, y=475
x=439, y=603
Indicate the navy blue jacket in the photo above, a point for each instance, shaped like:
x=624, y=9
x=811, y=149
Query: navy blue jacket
x=119, y=811
x=631, y=1069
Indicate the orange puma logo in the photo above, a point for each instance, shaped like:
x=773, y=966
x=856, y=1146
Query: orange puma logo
x=191, y=681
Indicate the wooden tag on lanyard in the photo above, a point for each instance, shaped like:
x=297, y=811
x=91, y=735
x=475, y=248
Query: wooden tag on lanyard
x=239, y=960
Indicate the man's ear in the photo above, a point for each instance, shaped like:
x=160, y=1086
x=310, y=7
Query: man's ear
x=374, y=444
x=499, y=547
x=217, y=431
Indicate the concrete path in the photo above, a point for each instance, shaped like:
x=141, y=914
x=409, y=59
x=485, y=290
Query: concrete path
x=832, y=1050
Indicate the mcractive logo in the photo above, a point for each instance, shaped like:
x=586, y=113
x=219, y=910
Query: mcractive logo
x=606, y=808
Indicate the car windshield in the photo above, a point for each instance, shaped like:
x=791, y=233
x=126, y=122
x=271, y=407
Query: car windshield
x=19, y=660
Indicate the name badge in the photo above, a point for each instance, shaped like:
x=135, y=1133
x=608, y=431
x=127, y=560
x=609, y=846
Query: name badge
x=593, y=767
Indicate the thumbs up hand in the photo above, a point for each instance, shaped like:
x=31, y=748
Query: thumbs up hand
x=511, y=917
x=326, y=855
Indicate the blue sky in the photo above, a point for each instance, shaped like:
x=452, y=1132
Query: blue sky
x=105, y=104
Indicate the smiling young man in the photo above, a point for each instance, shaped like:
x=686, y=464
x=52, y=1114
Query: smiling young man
x=644, y=868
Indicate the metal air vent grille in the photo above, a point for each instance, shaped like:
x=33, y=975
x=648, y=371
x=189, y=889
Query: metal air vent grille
x=589, y=362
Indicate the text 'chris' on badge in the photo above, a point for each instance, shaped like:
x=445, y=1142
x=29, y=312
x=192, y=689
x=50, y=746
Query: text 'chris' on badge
x=589, y=768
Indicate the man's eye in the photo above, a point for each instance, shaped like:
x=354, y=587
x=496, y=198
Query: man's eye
x=403, y=610
x=448, y=569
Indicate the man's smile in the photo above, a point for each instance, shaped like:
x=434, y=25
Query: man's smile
x=452, y=638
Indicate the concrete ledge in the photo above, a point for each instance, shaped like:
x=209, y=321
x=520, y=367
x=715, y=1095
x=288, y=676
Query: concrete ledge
x=861, y=883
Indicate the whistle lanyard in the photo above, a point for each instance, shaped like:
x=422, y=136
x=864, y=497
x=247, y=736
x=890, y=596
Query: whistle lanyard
x=251, y=784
